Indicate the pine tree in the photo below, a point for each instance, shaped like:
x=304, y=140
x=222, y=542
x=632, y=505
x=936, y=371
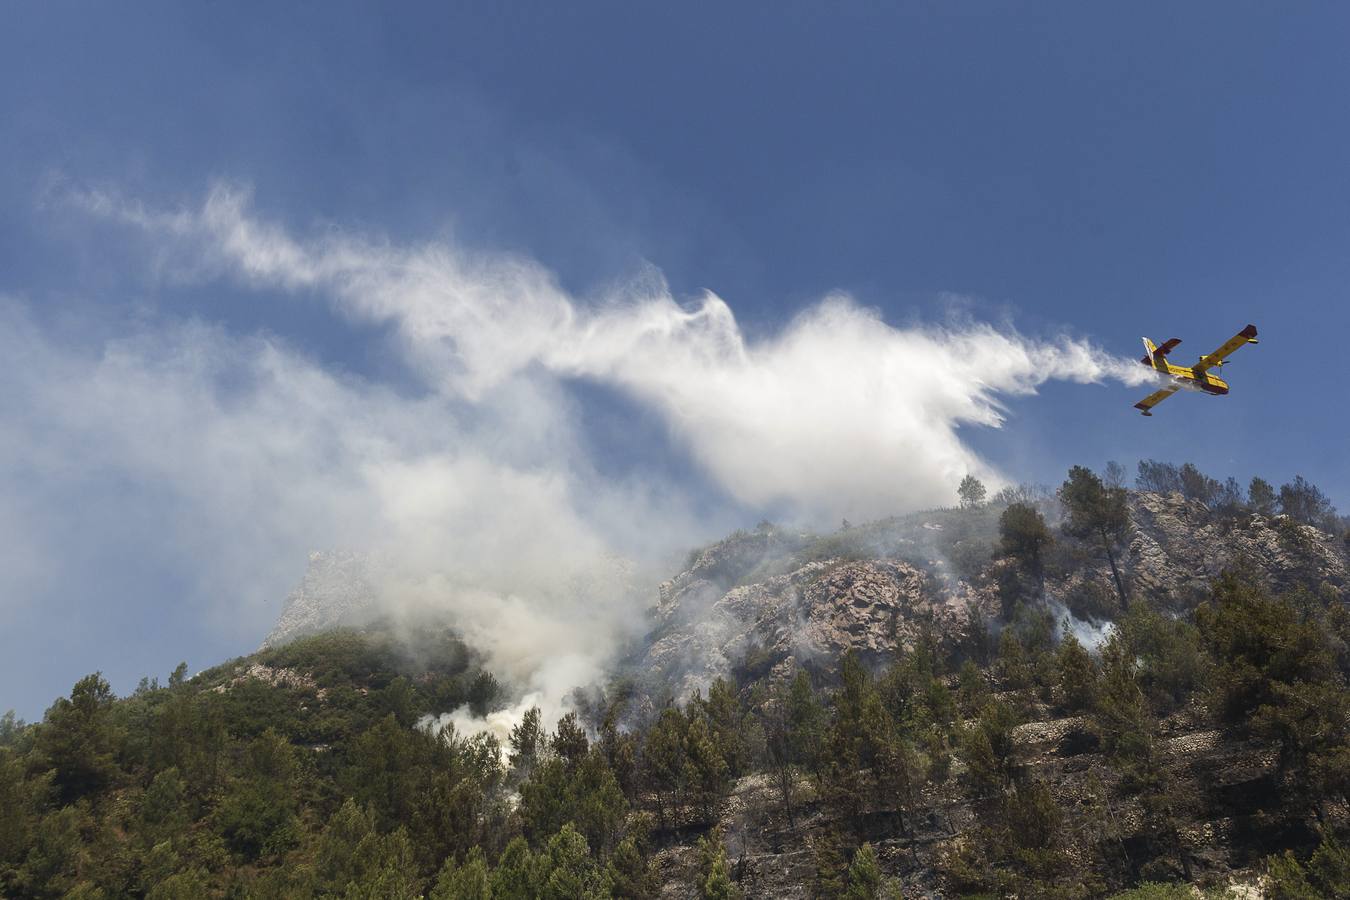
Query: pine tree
x=1098, y=512
x=470, y=881
x=566, y=870
x=663, y=757
x=515, y=875
x=705, y=767
x=1014, y=668
x=806, y=724
x=1077, y=676
x=1024, y=537
x=725, y=716
x=715, y=882
x=864, y=875
x=1304, y=502
x=1261, y=496
x=569, y=740
x=628, y=874
x=527, y=742
x=79, y=738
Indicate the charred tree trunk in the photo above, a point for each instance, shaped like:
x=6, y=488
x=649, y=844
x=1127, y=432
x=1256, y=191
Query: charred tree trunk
x=1115, y=571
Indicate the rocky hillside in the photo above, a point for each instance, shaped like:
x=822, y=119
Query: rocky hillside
x=958, y=703
x=771, y=599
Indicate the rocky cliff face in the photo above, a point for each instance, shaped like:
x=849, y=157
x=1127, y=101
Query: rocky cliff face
x=764, y=599
x=817, y=610
x=1178, y=545
x=335, y=592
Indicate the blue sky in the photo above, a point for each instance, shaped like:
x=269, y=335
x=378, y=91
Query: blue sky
x=1102, y=172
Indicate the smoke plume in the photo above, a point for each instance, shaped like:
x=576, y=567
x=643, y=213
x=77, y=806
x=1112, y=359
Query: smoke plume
x=479, y=487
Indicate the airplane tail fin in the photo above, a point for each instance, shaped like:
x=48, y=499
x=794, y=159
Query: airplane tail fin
x=1149, y=350
x=1157, y=353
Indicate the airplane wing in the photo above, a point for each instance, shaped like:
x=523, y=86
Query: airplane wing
x=1155, y=398
x=1245, y=336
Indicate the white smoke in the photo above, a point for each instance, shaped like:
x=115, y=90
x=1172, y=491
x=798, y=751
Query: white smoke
x=480, y=490
x=1089, y=633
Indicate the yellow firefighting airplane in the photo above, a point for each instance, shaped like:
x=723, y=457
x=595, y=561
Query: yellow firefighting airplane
x=1197, y=376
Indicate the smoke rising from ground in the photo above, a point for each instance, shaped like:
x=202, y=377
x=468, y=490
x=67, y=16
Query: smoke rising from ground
x=479, y=489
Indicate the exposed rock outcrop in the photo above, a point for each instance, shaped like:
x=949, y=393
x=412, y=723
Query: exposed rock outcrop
x=1178, y=546
x=336, y=591
x=818, y=610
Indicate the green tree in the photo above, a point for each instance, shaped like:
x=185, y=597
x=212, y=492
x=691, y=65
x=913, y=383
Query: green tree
x=79, y=739
x=972, y=492
x=381, y=770
x=1014, y=667
x=806, y=724
x=1196, y=485
x=336, y=861
x=11, y=727
x=1096, y=512
x=1170, y=661
x=972, y=690
x=57, y=855
x=663, y=760
x=527, y=742
x=483, y=693
x=831, y=866
x=1077, y=676
x=1032, y=815
x=987, y=746
x=1304, y=502
x=1024, y=537
x=1121, y=714
x=514, y=877
x=388, y=872
x=1158, y=477
x=715, y=881
x=705, y=768
x=864, y=875
x=257, y=815
x=600, y=804
x=165, y=809
x=727, y=719
x=628, y=873
x=566, y=870
x=1326, y=874
x=1277, y=676
x=470, y=881
x=569, y=740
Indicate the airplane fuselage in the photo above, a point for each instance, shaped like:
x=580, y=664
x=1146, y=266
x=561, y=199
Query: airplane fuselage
x=1204, y=381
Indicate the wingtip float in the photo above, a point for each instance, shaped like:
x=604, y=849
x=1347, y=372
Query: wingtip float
x=1198, y=376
